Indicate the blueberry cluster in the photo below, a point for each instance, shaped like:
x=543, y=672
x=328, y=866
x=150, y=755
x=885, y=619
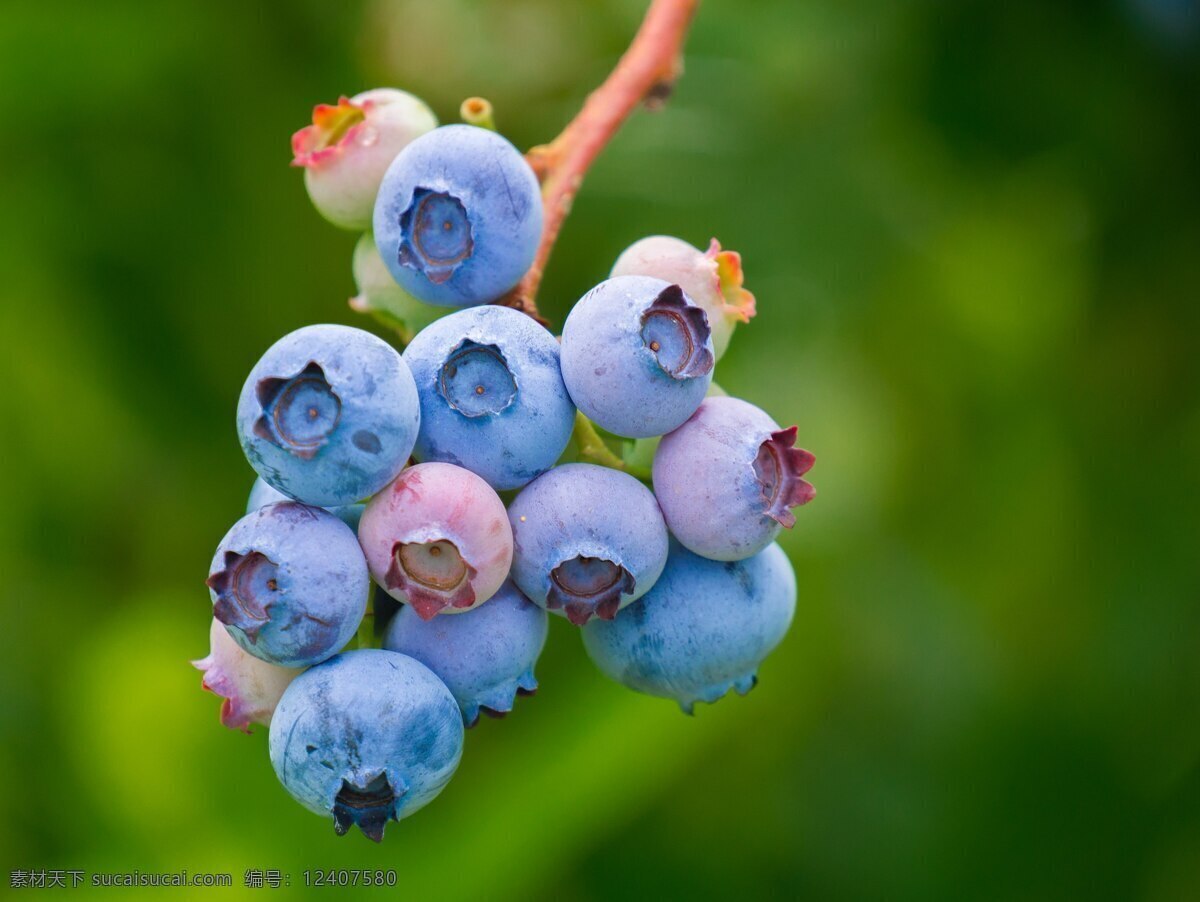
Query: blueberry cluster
x=381, y=472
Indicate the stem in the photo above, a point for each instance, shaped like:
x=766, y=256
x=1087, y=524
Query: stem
x=591, y=445
x=477, y=111
x=645, y=74
x=366, y=629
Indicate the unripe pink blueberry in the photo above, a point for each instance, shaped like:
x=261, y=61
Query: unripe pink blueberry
x=712, y=279
x=251, y=687
x=350, y=145
x=437, y=538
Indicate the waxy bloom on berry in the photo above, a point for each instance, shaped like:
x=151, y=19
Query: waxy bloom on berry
x=367, y=737
x=329, y=415
x=728, y=478
x=589, y=540
x=702, y=630
x=492, y=395
x=290, y=584
x=262, y=494
x=458, y=217
x=637, y=356
x=485, y=657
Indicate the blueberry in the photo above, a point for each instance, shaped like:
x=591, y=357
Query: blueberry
x=726, y=480
x=703, y=629
x=290, y=584
x=250, y=687
x=368, y=737
x=329, y=415
x=712, y=279
x=437, y=539
x=261, y=494
x=492, y=395
x=485, y=657
x=637, y=356
x=588, y=540
x=458, y=217
x=350, y=145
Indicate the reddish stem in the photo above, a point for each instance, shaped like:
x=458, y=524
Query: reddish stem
x=644, y=74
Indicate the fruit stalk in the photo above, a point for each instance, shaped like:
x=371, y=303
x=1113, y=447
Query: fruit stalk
x=592, y=448
x=365, y=637
x=644, y=74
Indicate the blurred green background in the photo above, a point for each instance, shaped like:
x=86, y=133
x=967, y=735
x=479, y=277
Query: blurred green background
x=974, y=234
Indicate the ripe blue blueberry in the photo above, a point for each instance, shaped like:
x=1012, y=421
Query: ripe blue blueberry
x=329, y=415
x=261, y=494
x=290, y=583
x=492, y=395
x=726, y=480
x=712, y=279
x=367, y=737
x=485, y=656
x=587, y=541
x=637, y=356
x=702, y=630
x=458, y=217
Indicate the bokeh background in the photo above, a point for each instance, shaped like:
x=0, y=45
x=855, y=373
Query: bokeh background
x=974, y=234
